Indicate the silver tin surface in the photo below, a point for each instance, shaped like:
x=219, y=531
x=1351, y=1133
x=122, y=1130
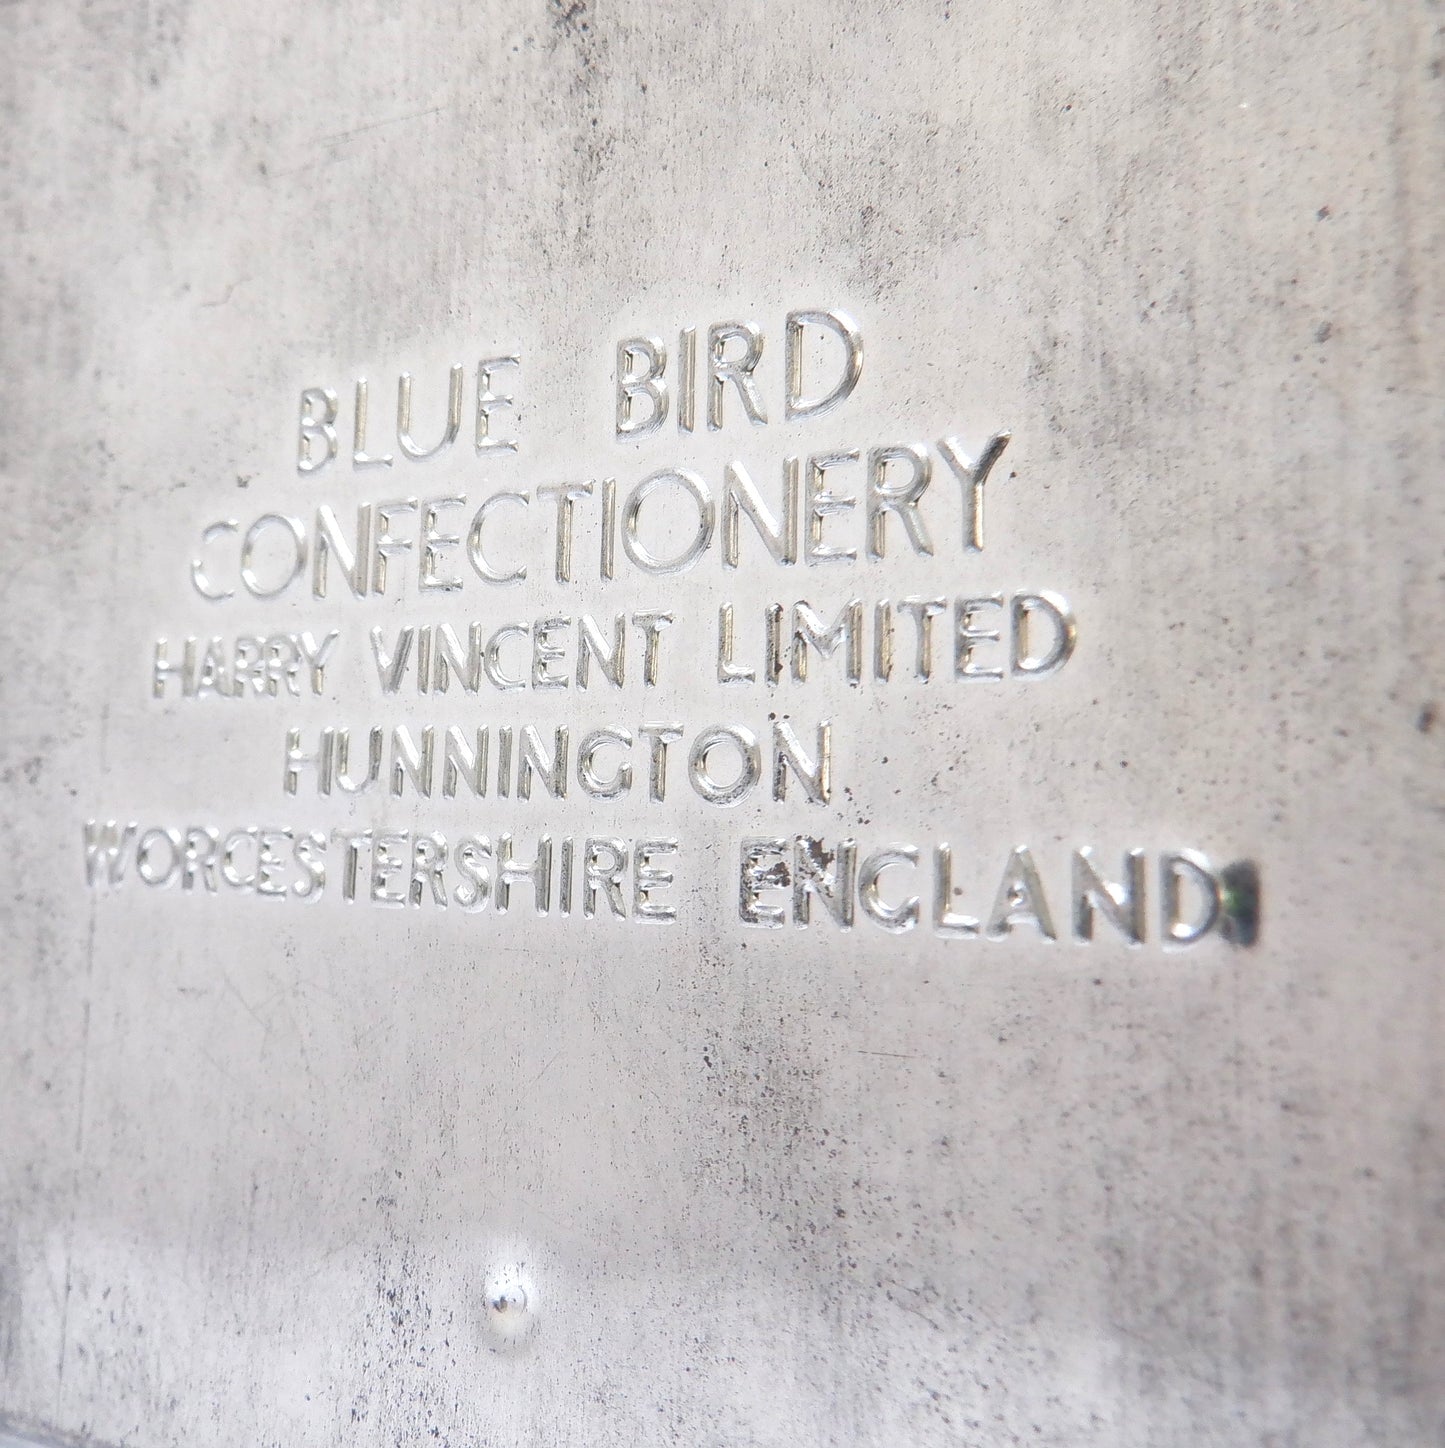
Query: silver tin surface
x=1151, y=302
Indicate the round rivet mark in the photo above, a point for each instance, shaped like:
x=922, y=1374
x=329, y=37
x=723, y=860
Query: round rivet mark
x=510, y=1302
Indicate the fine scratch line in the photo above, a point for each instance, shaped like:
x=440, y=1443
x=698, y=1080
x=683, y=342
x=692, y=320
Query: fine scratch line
x=337, y=138
x=384, y=121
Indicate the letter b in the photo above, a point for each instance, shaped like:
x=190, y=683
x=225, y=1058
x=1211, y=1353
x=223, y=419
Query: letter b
x=650, y=356
x=318, y=424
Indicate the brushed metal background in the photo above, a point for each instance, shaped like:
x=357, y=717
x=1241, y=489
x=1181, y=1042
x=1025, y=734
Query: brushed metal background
x=785, y=1188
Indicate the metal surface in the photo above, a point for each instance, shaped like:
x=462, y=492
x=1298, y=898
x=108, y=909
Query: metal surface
x=291, y=1167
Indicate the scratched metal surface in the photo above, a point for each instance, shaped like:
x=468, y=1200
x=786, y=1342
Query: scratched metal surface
x=793, y=1187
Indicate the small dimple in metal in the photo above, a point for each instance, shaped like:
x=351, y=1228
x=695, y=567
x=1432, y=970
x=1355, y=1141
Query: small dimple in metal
x=510, y=1306
x=508, y=1303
